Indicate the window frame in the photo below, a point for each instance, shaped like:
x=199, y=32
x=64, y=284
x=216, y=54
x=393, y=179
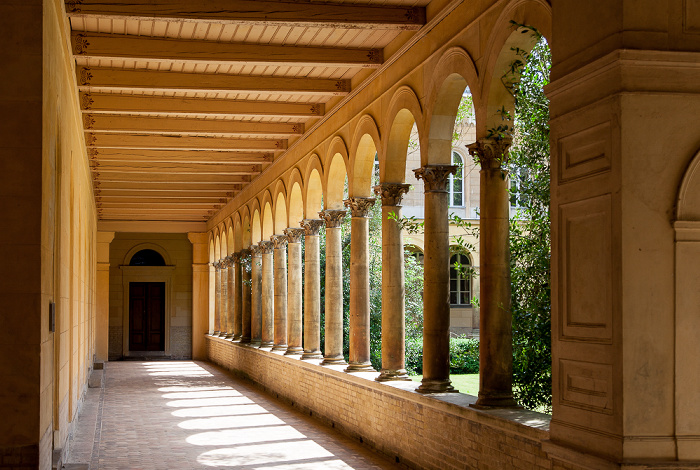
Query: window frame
x=452, y=178
x=458, y=280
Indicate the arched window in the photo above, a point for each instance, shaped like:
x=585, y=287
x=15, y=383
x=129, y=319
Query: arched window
x=147, y=257
x=415, y=252
x=460, y=280
x=457, y=182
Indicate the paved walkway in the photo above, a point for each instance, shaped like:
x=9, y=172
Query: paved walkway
x=193, y=415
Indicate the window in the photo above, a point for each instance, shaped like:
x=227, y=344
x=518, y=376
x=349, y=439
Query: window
x=415, y=252
x=517, y=177
x=460, y=281
x=457, y=182
x=147, y=257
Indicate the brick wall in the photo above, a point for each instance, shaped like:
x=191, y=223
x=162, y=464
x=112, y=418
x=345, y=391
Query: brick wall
x=422, y=431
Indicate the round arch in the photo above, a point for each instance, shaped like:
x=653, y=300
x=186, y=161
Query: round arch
x=237, y=243
x=255, y=222
x=337, y=164
x=688, y=201
x=365, y=144
x=295, y=199
x=313, y=188
x=279, y=208
x=403, y=113
x=147, y=246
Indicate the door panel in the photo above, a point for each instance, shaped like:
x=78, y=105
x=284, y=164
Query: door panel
x=146, y=316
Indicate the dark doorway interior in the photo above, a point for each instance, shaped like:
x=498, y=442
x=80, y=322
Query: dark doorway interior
x=146, y=316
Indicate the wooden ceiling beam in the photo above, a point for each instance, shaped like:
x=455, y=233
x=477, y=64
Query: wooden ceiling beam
x=178, y=156
x=157, y=187
x=146, y=198
x=119, y=47
x=112, y=103
x=309, y=14
x=169, y=178
x=158, y=206
x=182, y=168
x=157, y=125
x=104, y=78
x=172, y=142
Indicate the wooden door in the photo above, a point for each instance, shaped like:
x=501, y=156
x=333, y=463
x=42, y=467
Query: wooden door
x=146, y=316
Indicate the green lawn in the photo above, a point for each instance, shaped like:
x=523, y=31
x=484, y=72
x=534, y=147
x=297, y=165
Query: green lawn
x=465, y=383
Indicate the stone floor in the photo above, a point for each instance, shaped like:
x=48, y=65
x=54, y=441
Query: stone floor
x=192, y=415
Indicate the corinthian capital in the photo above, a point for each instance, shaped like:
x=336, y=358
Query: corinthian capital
x=435, y=177
x=359, y=206
x=279, y=241
x=391, y=193
x=254, y=251
x=265, y=247
x=311, y=226
x=294, y=235
x=333, y=218
x=490, y=153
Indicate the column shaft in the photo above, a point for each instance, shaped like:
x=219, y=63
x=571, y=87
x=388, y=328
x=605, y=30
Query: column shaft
x=436, y=284
x=393, y=285
x=334, y=289
x=245, y=300
x=495, y=331
x=312, y=290
x=237, y=298
x=359, y=359
x=256, y=272
x=230, y=297
x=267, y=295
x=294, y=295
x=217, y=299
x=280, y=292
x=223, y=312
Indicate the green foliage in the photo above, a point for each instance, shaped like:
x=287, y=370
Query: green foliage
x=464, y=355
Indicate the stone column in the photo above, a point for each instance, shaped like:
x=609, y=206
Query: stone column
x=256, y=301
x=280, y=291
x=200, y=294
x=294, y=299
x=393, y=285
x=223, y=310
x=359, y=284
x=245, y=298
x=495, y=331
x=230, y=296
x=267, y=295
x=334, y=288
x=312, y=289
x=217, y=298
x=436, y=284
x=237, y=297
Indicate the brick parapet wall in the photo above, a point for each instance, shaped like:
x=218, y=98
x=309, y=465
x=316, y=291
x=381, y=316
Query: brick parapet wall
x=422, y=431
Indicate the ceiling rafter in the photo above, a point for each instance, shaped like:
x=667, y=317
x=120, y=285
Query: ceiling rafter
x=178, y=156
x=300, y=13
x=173, y=142
x=117, y=47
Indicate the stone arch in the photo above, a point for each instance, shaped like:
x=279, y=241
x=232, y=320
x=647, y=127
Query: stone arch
x=229, y=236
x=403, y=113
x=337, y=164
x=237, y=242
x=279, y=209
x=255, y=222
x=295, y=199
x=211, y=250
x=454, y=72
x=313, y=188
x=267, y=223
x=147, y=246
x=217, y=246
x=223, y=251
x=688, y=201
x=246, y=233
x=499, y=55
x=365, y=144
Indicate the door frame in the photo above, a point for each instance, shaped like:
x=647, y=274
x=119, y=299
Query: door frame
x=146, y=274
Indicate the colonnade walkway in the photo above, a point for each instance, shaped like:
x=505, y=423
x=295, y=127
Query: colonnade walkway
x=194, y=415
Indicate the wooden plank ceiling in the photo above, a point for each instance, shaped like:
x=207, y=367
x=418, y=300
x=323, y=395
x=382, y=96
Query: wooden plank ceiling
x=185, y=102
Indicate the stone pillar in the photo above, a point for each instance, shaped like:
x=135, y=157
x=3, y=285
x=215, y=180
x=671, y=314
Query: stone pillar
x=334, y=287
x=280, y=292
x=294, y=296
x=495, y=330
x=393, y=284
x=223, y=310
x=267, y=294
x=436, y=284
x=217, y=298
x=230, y=296
x=359, y=284
x=200, y=294
x=256, y=287
x=312, y=289
x=237, y=297
x=102, y=296
x=245, y=297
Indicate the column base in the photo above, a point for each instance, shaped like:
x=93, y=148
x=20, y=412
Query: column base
x=245, y=340
x=229, y=336
x=294, y=351
x=360, y=367
x=255, y=343
x=487, y=401
x=436, y=386
x=279, y=347
x=216, y=333
x=311, y=355
x=237, y=337
x=333, y=361
x=392, y=374
x=266, y=344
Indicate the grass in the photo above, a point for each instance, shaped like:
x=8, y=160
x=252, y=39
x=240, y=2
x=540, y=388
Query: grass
x=465, y=383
